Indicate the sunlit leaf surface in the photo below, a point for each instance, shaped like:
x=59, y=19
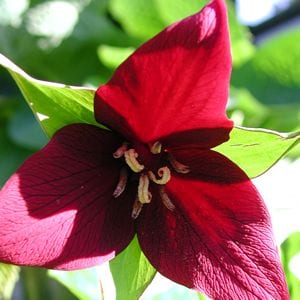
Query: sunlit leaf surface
x=132, y=272
x=54, y=105
x=257, y=150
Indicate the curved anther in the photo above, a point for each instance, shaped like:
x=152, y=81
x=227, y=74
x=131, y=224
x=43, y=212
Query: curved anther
x=155, y=148
x=122, y=183
x=136, y=209
x=144, y=195
x=164, y=173
x=120, y=151
x=177, y=166
x=131, y=160
x=165, y=199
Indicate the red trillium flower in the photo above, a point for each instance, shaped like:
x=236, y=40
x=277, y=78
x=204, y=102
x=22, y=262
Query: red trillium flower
x=199, y=220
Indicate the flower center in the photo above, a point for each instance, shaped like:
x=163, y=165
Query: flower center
x=153, y=165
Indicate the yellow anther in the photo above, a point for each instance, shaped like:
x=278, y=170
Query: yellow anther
x=131, y=160
x=178, y=167
x=144, y=195
x=121, y=184
x=120, y=151
x=164, y=173
x=165, y=199
x=136, y=209
x=155, y=148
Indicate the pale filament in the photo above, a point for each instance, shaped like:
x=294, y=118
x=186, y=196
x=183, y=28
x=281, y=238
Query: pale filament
x=164, y=173
x=165, y=199
x=178, y=167
x=144, y=195
x=121, y=184
x=131, y=160
x=137, y=208
x=155, y=148
x=120, y=151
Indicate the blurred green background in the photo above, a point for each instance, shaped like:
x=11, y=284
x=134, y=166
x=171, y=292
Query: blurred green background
x=81, y=42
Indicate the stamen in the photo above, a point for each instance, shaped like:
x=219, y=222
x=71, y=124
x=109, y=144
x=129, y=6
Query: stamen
x=137, y=208
x=165, y=199
x=164, y=173
x=122, y=183
x=131, y=160
x=144, y=195
x=178, y=167
x=155, y=148
x=120, y=151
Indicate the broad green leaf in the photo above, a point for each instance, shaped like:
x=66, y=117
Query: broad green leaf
x=83, y=284
x=272, y=75
x=54, y=105
x=289, y=248
x=9, y=275
x=112, y=57
x=131, y=272
x=172, y=11
x=257, y=150
x=139, y=18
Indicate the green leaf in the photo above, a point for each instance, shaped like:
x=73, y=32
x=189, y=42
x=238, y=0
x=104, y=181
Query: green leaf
x=139, y=18
x=172, y=11
x=9, y=275
x=272, y=75
x=132, y=272
x=83, y=284
x=257, y=150
x=54, y=105
x=112, y=57
x=289, y=248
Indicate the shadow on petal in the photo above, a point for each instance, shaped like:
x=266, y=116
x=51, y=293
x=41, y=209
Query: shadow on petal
x=58, y=210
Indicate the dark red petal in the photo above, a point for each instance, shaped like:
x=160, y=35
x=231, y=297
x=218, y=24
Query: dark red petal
x=219, y=238
x=57, y=210
x=175, y=82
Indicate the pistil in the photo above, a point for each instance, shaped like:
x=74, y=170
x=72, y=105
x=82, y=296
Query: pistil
x=164, y=173
x=161, y=177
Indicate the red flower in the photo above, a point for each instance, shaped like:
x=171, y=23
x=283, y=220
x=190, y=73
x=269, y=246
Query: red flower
x=199, y=220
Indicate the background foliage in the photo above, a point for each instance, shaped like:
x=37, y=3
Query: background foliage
x=81, y=42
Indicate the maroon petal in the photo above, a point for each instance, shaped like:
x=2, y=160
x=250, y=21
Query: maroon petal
x=57, y=210
x=219, y=238
x=175, y=82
